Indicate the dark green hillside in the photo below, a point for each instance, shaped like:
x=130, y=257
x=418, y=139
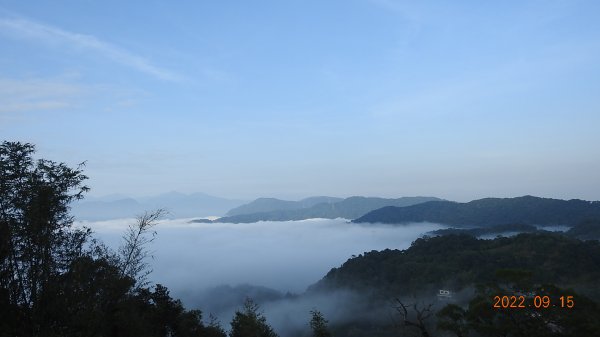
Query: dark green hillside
x=349, y=208
x=490, y=211
x=459, y=261
x=543, y=263
x=586, y=230
x=489, y=230
x=353, y=207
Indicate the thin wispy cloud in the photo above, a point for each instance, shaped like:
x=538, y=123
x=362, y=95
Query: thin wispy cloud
x=21, y=95
x=66, y=92
x=23, y=28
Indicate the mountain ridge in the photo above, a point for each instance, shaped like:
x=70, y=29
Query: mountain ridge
x=527, y=209
x=262, y=205
x=348, y=208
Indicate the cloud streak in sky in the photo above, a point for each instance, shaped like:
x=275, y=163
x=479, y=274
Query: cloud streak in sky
x=20, y=95
x=23, y=28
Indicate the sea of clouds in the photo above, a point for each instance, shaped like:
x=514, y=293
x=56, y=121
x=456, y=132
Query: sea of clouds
x=193, y=258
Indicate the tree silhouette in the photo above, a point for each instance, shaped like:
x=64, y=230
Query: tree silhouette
x=318, y=324
x=249, y=322
x=134, y=251
x=38, y=242
x=55, y=280
x=422, y=315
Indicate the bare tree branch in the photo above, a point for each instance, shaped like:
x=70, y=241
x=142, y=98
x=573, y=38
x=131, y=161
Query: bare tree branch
x=421, y=316
x=134, y=250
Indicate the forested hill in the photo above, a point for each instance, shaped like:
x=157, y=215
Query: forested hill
x=459, y=261
x=490, y=211
x=586, y=230
x=349, y=208
x=261, y=205
x=475, y=271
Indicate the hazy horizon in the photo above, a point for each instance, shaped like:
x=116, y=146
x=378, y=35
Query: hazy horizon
x=283, y=196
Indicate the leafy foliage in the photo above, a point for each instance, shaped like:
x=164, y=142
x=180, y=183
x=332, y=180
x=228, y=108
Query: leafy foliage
x=52, y=285
x=37, y=241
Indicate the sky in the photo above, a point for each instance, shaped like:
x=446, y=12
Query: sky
x=245, y=99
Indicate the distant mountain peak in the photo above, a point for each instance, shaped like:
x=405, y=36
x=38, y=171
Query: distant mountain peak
x=178, y=204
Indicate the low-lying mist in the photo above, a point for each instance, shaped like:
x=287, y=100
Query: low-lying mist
x=209, y=266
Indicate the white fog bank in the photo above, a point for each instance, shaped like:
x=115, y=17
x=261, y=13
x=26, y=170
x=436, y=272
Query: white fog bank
x=286, y=256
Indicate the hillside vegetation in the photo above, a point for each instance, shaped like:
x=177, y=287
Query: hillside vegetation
x=474, y=270
x=526, y=210
x=457, y=262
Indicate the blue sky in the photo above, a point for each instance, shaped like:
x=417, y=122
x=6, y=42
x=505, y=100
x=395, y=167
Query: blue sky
x=456, y=99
